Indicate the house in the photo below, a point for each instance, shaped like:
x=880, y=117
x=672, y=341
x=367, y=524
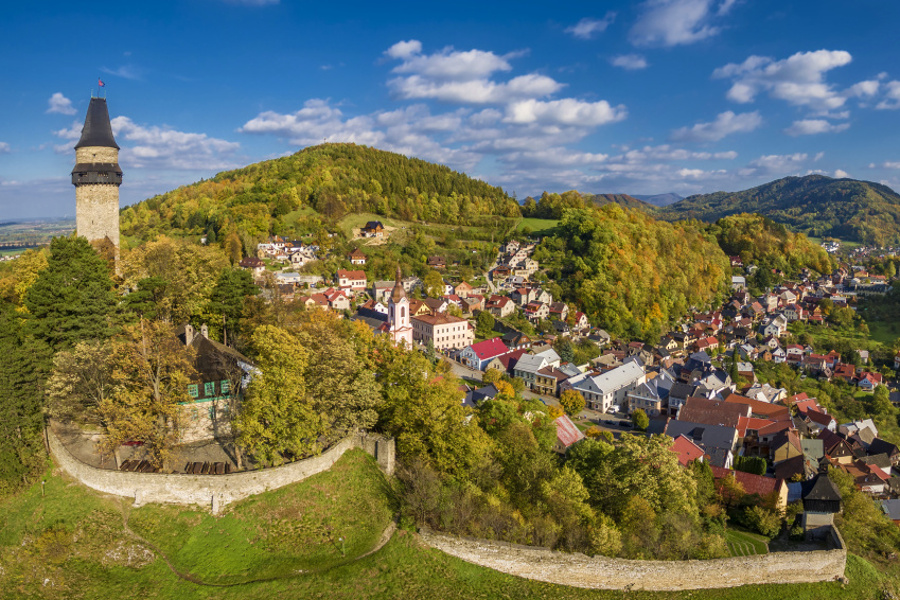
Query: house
x=373, y=229
x=687, y=450
x=765, y=392
x=567, y=434
x=357, y=257
x=436, y=262
x=769, y=488
x=500, y=306
x=880, y=446
x=718, y=442
x=712, y=412
x=254, y=265
x=869, y=381
x=353, y=280
x=536, y=311
x=436, y=305
x=558, y=310
x=443, y=331
x=463, y=290
x=220, y=375
x=528, y=366
x=651, y=396
x=337, y=300
x=581, y=322
x=776, y=327
x=381, y=290
x=473, y=397
x=602, y=391
x=506, y=363
x=547, y=380
x=477, y=356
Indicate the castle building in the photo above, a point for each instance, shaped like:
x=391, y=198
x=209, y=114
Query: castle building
x=400, y=326
x=97, y=177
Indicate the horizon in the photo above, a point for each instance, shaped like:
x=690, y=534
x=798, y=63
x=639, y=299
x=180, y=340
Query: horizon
x=656, y=97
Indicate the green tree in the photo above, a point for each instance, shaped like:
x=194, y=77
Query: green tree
x=492, y=376
x=72, y=299
x=278, y=420
x=484, y=324
x=21, y=408
x=572, y=402
x=640, y=420
x=227, y=301
x=434, y=284
x=233, y=248
x=82, y=380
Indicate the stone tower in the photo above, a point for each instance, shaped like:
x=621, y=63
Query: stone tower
x=97, y=177
x=399, y=318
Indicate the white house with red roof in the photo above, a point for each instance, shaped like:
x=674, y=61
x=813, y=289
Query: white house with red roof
x=352, y=280
x=477, y=356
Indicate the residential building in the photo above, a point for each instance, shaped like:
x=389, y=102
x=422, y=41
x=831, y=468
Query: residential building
x=445, y=331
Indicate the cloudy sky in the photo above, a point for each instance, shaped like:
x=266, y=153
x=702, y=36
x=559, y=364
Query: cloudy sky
x=682, y=96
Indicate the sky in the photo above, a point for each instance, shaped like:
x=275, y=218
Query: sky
x=659, y=96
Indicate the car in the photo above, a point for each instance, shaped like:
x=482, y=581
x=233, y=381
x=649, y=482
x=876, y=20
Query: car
x=624, y=423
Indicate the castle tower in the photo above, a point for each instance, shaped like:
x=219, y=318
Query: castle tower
x=398, y=315
x=97, y=177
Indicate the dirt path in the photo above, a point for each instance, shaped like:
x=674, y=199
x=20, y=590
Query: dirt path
x=386, y=536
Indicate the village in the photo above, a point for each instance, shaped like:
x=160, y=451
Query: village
x=697, y=384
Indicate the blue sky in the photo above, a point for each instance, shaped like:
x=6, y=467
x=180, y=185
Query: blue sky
x=682, y=96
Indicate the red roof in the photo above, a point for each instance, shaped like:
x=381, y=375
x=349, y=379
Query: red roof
x=752, y=484
x=761, y=409
x=342, y=274
x=566, y=432
x=745, y=423
x=489, y=348
x=686, y=450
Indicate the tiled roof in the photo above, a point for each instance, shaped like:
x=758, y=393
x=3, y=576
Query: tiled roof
x=489, y=348
x=566, y=431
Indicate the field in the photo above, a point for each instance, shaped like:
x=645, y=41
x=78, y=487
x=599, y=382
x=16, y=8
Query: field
x=742, y=543
x=308, y=540
x=537, y=226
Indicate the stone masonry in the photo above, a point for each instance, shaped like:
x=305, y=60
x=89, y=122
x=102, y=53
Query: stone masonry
x=214, y=491
x=601, y=572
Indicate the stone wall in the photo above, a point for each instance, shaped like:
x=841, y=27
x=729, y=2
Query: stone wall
x=653, y=575
x=97, y=212
x=214, y=491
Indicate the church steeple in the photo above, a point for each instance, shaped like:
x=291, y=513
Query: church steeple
x=97, y=129
x=401, y=330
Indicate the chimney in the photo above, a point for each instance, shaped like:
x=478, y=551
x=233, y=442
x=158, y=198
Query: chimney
x=188, y=334
x=204, y=331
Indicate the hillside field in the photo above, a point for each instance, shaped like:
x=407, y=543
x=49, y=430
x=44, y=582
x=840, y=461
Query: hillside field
x=72, y=543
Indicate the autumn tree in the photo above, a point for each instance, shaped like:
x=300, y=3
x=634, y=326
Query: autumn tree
x=572, y=402
x=278, y=420
x=434, y=284
x=640, y=420
x=82, y=380
x=151, y=373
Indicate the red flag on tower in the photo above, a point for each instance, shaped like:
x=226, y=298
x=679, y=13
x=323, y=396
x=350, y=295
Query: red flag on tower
x=101, y=82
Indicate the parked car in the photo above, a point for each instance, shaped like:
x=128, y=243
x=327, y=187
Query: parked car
x=624, y=423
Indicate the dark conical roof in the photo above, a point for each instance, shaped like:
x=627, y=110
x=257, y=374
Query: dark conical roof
x=97, y=130
x=398, y=293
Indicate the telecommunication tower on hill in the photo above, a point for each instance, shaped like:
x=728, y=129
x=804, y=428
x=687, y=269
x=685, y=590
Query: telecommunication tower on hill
x=97, y=177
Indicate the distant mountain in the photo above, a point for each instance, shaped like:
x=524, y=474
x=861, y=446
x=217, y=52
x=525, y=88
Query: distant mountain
x=623, y=200
x=659, y=199
x=816, y=205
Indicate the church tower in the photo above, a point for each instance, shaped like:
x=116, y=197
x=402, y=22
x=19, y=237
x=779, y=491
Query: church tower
x=97, y=177
x=399, y=318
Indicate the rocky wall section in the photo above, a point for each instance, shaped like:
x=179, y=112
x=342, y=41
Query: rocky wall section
x=214, y=491
x=605, y=573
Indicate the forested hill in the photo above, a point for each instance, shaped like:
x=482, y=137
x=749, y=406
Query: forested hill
x=816, y=205
x=623, y=200
x=551, y=206
x=330, y=179
x=632, y=274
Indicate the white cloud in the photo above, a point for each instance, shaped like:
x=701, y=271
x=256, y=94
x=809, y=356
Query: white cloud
x=814, y=126
x=587, y=27
x=629, y=62
x=461, y=76
x=567, y=111
x=725, y=124
x=891, y=97
x=4, y=148
x=775, y=165
x=161, y=147
x=404, y=49
x=675, y=22
x=864, y=88
x=841, y=174
x=798, y=79
x=58, y=103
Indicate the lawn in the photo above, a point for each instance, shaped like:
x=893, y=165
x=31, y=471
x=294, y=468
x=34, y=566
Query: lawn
x=355, y=221
x=71, y=543
x=538, y=226
x=744, y=543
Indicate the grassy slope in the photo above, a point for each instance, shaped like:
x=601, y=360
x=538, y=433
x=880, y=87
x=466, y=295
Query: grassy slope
x=72, y=539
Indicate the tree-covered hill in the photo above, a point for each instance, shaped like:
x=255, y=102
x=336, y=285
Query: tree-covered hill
x=816, y=205
x=623, y=200
x=632, y=274
x=765, y=243
x=331, y=180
